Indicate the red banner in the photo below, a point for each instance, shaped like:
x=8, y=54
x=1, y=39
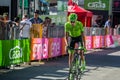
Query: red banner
x=96, y=42
x=102, y=41
x=36, y=49
x=55, y=47
x=109, y=40
x=88, y=41
x=44, y=48
x=39, y=48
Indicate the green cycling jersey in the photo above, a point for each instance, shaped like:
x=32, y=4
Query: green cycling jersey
x=74, y=31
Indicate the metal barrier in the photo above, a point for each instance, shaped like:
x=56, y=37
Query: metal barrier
x=49, y=47
x=2, y=30
x=25, y=29
x=102, y=31
x=118, y=30
x=87, y=31
x=52, y=32
x=95, y=31
x=56, y=32
x=12, y=31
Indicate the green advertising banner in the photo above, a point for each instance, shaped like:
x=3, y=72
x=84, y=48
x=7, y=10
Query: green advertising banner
x=15, y=51
x=96, y=4
x=25, y=44
x=0, y=53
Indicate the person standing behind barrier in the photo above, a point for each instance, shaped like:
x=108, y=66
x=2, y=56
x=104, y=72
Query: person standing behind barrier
x=117, y=29
x=98, y=22
x=8, y=26
x=46, y=25
x=6, y=17
x=107, y=26
x=16, y=28
x=25, y=26
x=2, y=28
x=36, y=19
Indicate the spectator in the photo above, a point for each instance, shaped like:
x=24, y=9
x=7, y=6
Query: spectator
x=16, y=28
x=36, y=19
x=46, y=21
x=6, y=17
x=2, y=28
x=25, y=26
x=107, y=26
x=117, y=29
x=46, y=24
x=53, y=25
x=98, y=22
x=8, y=30
x=35, y=31
x=1, y=18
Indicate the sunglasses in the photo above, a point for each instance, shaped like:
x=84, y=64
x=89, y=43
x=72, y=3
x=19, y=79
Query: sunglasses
x=72, y=21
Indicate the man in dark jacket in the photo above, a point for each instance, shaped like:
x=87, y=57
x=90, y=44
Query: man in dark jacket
x=36, y=19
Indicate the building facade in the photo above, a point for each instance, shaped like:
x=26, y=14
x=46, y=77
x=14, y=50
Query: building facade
x=116, y=12
x=104, y=8
x=100, y=9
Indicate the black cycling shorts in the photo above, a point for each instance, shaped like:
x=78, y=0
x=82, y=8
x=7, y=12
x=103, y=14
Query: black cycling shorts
x=75, y=40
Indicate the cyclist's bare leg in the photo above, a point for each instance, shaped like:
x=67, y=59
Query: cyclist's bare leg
x=82, y=59
x=82, y=55
x=70, y=58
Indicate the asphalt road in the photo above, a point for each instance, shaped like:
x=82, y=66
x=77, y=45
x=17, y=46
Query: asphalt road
x=102, y=64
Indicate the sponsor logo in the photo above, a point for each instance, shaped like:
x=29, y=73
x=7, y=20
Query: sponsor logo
x=15, y=53
x=37, y=50
x=45, y=49
x=88, y=43
x=97, y=5
x=97, y=42
x=55, y=49
x=40, y=51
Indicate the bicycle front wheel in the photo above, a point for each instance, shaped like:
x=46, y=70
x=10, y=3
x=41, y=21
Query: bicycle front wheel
x=78, y=68
x=72, y=71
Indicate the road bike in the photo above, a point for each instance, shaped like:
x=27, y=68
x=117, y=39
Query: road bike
x=75, y=71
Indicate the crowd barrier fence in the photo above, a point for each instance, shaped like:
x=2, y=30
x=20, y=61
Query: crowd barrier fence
x=25, y=50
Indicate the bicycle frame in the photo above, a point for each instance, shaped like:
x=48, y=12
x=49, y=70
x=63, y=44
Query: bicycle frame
x=75, y=69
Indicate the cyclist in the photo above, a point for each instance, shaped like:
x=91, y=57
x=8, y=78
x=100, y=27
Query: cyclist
x=74, y=29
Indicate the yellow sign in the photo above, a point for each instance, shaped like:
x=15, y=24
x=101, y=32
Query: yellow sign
x=36, y=31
